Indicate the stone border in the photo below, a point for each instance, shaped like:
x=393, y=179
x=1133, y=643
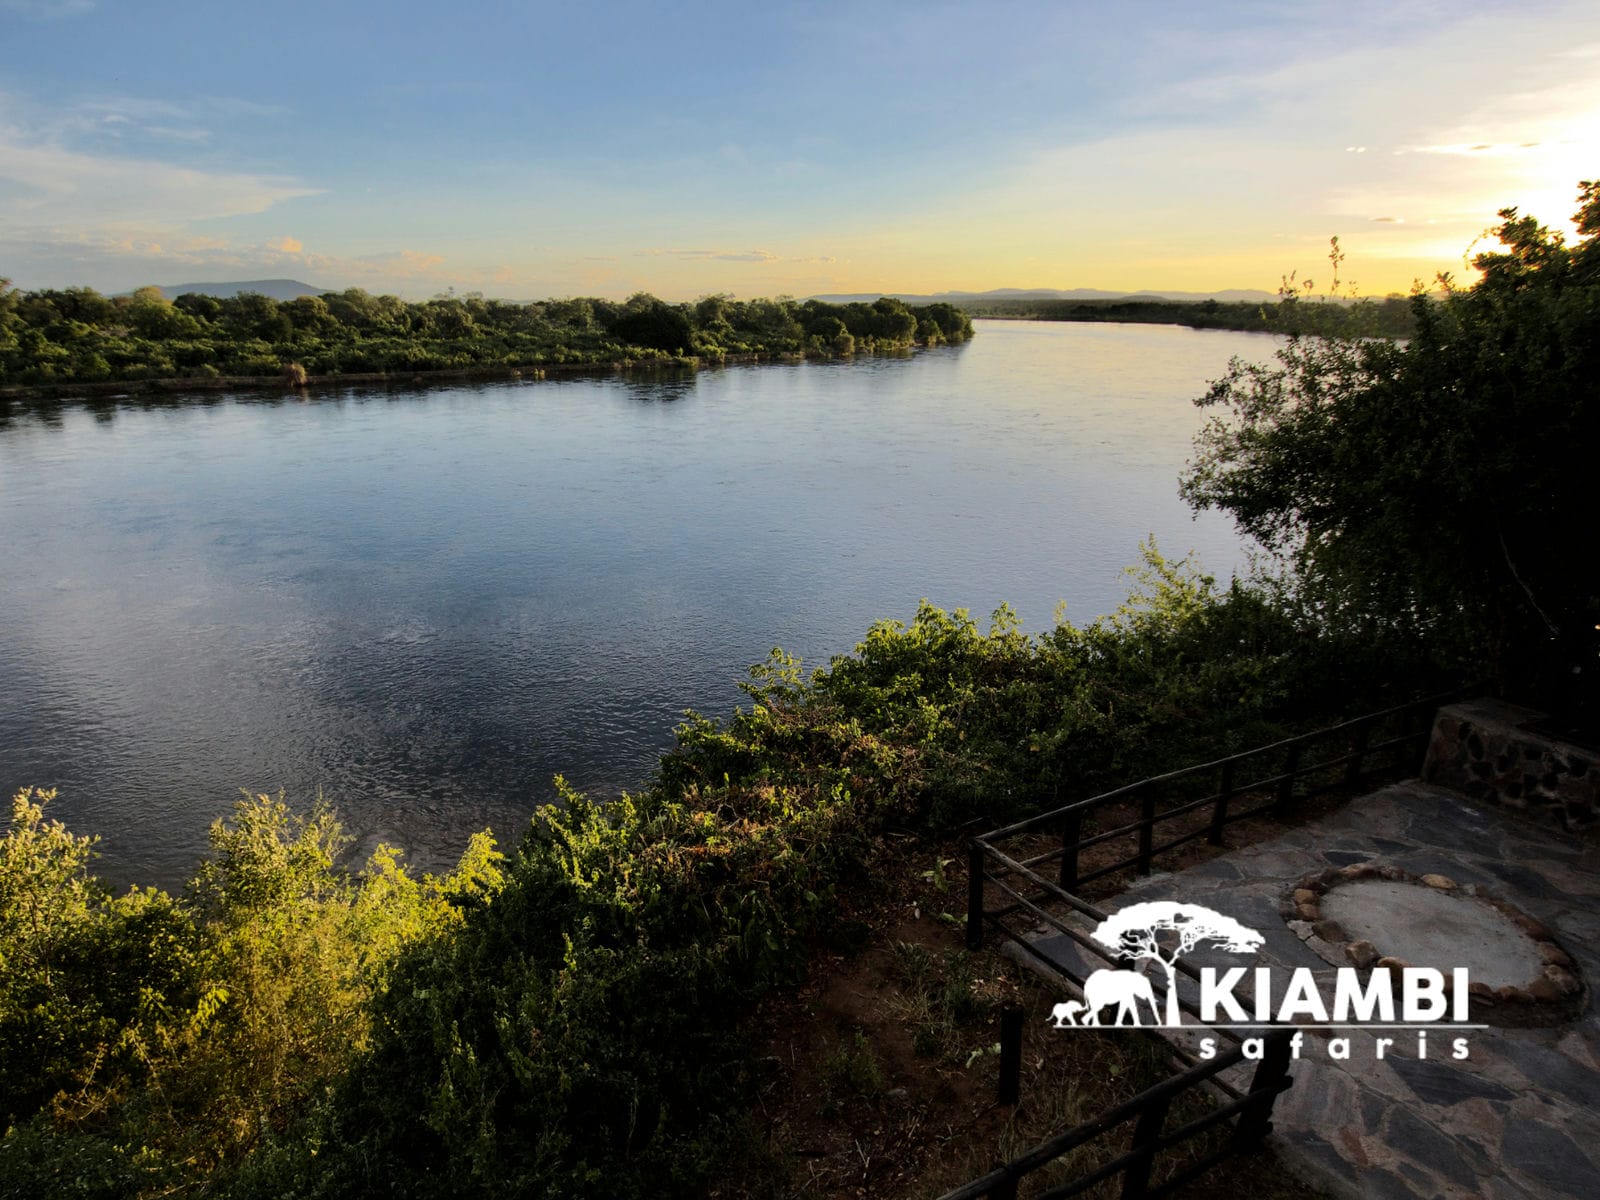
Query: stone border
x=1555, y=996
x=1493, y=751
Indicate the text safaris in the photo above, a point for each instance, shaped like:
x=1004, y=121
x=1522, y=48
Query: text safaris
x=1340, y=1048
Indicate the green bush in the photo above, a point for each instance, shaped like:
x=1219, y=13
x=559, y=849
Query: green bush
x=151, y=1037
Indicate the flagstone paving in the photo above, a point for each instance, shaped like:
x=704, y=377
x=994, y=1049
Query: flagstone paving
x=1519, y=1118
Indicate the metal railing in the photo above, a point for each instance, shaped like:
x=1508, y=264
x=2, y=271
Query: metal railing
x=1267, y=781
x=1249, y=1112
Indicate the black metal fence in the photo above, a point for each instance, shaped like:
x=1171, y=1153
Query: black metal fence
x=1186, y=805
x=1248, y=1116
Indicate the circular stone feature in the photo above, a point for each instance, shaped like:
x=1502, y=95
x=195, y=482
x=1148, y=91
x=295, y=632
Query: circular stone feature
x=1434, y=927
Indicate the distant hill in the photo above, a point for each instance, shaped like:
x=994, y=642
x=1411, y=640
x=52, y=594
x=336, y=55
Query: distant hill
x=278, y=289
x=1233, y=294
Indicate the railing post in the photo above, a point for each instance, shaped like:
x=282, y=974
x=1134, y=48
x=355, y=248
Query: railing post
x=1071, y=835
x=1424, y=718
x=974, y=894
x=1147, y=829
x=1255, y=1119
x=1136, y=1176
x=1352, y=774
x=1010, y=1053
x=1291, y=769
x=1219, y=814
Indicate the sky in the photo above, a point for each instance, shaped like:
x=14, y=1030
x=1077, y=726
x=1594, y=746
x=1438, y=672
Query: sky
x=529, y=150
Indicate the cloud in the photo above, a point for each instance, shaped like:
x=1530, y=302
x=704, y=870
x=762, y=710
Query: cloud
x=43, y=184
x=395, y=264
x=740, y=256
x=758, y=256
x=286, y=245
x=1479, y=148
x=47, y=9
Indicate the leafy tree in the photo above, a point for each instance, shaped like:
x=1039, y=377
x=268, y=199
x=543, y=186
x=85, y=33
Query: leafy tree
x=151, y=1040
x=1425, y=492
x=653, y=324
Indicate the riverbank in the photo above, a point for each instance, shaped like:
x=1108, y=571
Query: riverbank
x=115, y=389
x=1392, y=317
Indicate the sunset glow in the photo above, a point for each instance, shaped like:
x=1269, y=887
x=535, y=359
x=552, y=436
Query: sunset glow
x=712, y=150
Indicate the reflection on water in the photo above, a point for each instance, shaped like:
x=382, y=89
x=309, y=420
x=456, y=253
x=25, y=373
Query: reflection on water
x=426, y=603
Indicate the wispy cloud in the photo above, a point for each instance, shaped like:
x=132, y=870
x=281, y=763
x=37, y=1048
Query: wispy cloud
x=47, y=9
x=736, y=256
x=51, y=185
x=753, y=256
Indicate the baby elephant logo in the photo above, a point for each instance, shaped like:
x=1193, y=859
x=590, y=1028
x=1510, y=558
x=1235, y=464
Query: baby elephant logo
x=1066, y=1014
x=1157, y=931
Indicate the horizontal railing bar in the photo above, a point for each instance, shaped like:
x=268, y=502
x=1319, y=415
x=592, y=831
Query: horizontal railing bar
x=1119, y=831
x=1179, y=1054
x=1070, y=1140
x=1064, y=1143
x=1057, y=924
x=1083, y=1183
x=1284, y=744
x=1051, y=889
x=1219, y=1114
x=1085, y=940
x=1257, y=811
x=1165, y=1141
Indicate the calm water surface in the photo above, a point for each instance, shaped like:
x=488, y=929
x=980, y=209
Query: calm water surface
x=427, y=603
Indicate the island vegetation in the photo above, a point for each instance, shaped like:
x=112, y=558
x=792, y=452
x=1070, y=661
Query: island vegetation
x=1298, y=311
x=566, y=1015
x=76, y=336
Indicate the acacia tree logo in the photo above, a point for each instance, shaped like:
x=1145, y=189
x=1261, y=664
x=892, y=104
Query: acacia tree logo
x=1154, y=931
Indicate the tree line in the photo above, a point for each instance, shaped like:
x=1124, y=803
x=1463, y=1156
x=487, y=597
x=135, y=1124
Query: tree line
x=77, y=335
x=1293, y=313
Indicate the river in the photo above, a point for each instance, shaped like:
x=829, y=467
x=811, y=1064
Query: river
x=424, y=603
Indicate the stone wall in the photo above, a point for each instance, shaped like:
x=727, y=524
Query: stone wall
x=1491, y=750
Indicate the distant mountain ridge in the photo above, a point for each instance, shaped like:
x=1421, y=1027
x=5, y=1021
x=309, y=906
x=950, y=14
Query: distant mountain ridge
x=1232, y=294
x=278, y=289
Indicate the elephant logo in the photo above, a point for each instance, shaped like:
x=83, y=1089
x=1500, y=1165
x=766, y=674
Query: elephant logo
x=1123, y=989
x=1066, y=1014
x=1150, y=932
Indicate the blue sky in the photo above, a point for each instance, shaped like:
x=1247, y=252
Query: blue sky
x=533, y=150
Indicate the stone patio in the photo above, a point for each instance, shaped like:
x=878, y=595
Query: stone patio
x=1520, y=1117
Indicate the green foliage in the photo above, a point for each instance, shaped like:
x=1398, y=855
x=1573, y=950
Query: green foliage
x=152, y=1040
x=576, y=1037
x=945, y=721
x=78, y=336
x=1425, y=491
